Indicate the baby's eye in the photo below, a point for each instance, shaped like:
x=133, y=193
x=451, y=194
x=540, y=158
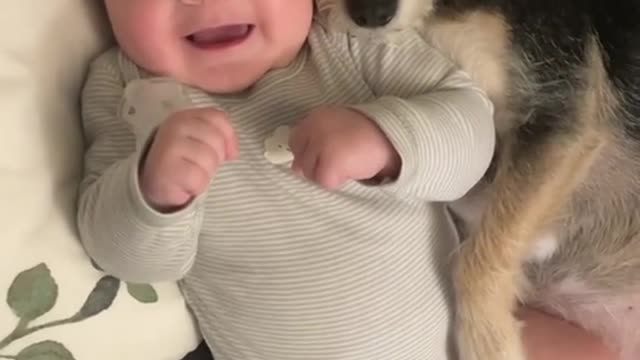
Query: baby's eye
x=132, y=110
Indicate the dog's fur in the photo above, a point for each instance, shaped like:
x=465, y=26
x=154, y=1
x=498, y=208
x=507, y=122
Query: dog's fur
x=560, y=221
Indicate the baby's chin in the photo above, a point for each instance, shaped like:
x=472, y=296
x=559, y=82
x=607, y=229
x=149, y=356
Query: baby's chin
x=227, y=86
x=234, y=78
x=225, y=82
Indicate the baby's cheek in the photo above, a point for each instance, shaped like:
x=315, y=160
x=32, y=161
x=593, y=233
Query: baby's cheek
x=151, y=39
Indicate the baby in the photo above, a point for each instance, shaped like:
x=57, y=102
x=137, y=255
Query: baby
x=290, y=176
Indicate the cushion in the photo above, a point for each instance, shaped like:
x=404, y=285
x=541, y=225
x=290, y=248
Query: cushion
x=53, y=303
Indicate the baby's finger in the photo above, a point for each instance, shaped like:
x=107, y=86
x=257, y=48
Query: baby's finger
x=327, y=174
x=194, y=180
x=298, y=143
x=296, y=166
x=207, y=156
x=231, y=142
x=233, y=148
x=298, y=140
x=220, y=121
x=309, y=162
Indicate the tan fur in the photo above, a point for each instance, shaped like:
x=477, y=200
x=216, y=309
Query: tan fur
x=483, y=54
x=530, y=191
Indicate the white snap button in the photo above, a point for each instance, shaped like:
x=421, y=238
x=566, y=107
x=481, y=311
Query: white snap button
x=276, y=147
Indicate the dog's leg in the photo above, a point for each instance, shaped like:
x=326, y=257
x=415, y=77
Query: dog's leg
x=533, y=183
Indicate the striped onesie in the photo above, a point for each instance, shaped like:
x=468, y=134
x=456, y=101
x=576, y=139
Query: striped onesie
x=273, y=266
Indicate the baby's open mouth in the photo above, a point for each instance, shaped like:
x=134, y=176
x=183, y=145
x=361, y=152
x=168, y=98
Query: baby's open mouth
x=220, y=36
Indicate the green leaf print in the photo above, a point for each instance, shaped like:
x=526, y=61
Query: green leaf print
x=33, y=293
x=100, y=298
x=144, y=293
x=45, y=350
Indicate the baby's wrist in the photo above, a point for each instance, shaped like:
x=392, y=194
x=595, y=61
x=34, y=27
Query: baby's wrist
x=389, y=173
x=392, y=170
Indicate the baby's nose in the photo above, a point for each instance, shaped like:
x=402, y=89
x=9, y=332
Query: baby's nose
x=372, y=13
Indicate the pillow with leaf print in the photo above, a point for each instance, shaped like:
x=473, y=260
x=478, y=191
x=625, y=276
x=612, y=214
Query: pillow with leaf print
x=55, y=305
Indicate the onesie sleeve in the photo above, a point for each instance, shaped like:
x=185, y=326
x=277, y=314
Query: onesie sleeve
x=119, y=230
x=440, y=123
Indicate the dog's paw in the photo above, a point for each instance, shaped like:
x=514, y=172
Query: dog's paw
x=486, y=328
x=481, y=338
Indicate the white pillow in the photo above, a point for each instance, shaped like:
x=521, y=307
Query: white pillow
x=45, y=46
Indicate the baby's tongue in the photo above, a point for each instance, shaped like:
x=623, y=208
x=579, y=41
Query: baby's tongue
x=220, y=34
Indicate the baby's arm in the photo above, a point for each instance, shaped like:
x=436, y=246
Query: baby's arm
x=124, y=235
x=438, y=121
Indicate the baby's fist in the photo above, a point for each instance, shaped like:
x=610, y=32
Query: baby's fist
x=333, y=145
x=186, y=152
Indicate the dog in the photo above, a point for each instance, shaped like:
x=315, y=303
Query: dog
x=555, y=224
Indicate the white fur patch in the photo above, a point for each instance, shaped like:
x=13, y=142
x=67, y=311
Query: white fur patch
x=544, y=246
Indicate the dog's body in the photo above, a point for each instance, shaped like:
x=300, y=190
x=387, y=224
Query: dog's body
x=560, y=219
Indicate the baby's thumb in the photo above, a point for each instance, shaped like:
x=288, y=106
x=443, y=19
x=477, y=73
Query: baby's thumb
x=297, y=140
x=328, y=176
x=232, y=147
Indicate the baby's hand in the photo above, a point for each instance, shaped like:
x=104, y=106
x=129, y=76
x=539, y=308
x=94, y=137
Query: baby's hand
x=186, y=152
x=333, y=145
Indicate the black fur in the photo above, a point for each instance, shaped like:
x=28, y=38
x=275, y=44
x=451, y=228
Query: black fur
x=553, y=35
x=551, y=77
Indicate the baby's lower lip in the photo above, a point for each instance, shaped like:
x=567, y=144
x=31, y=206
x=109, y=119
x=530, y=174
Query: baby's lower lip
x=220, y=37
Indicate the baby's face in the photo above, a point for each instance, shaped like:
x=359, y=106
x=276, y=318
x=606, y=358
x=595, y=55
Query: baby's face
x=218, y=45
